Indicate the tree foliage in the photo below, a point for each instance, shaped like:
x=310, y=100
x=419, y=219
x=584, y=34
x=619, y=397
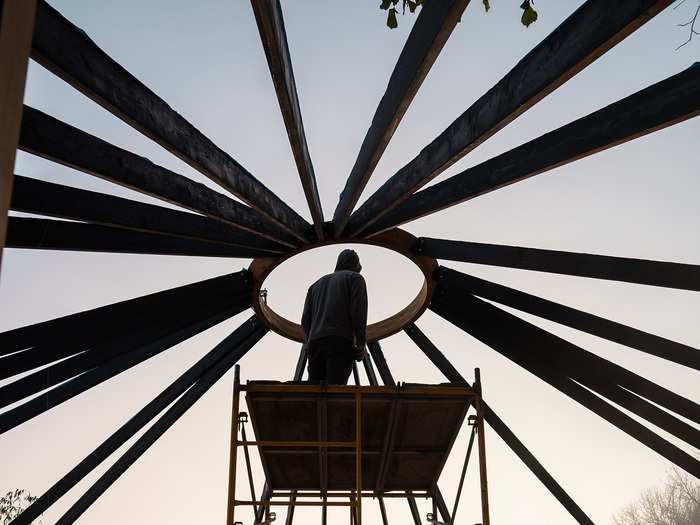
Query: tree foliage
x=13, y=503
x=529, y=14
x=676, y=503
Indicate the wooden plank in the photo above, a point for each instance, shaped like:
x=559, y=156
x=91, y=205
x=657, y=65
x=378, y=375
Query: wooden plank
x=641, y=271
x=516, y=339
x=176, y=410
x=16, y=28
x=431, y=30
x=663, y=104
x=506, y=434
x=142, y=350
x=592, y=324
x=69, y=53
x=582, y=365
x=93, y=325
x=45, y=234
x=268, y=15
x=57, y=141
x=133, y=425
x=118, y=343
x=55, y=200
x=588, y=33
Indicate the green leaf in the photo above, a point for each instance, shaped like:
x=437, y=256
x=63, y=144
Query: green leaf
x=385, y=4
x=391, y=19
x=412, y=6
x=487, y=6
x=529, y=14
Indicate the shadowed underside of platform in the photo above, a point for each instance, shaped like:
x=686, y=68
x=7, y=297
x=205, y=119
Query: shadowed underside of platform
x=406, y=437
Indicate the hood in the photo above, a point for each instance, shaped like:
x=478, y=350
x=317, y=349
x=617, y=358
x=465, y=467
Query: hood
x=348, y=260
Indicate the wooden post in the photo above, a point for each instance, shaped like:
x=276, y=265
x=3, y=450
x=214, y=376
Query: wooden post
x=231, y=504
x=358, y=454
x=482, y=450
x=16, y=29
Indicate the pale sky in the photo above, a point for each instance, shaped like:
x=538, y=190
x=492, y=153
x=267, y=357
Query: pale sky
x=206, y=60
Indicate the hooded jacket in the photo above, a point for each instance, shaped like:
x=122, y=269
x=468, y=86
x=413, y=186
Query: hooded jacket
x=336, y=304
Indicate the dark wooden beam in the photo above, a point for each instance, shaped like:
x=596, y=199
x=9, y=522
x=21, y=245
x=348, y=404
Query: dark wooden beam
x=545, y=356
x=55, y=200
x=588, y=33
x=142, y=350
x=46, y=234
x=641, y=271
x=268, y=15
x=517, y=446
x=52, y=139
x=663, y=104
x=431, y=30
x=16, y=28
x=496, y=423
x=116, y=344
x=96, y=324
x=68, y=52
x=134, y=424
x=184, y=403
x=378, y=355
x=559, y=313
x=582, y=365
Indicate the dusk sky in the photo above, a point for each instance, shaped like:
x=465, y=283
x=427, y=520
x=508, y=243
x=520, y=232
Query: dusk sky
x=205, y=59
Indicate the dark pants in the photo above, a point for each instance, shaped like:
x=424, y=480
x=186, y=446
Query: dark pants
x=330, y=360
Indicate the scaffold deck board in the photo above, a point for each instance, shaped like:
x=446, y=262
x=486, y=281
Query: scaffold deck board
x=407, y=434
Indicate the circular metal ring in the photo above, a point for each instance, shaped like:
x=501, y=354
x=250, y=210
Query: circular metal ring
x=397, y=240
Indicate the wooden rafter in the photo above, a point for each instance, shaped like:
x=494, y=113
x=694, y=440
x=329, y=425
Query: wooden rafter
x=55, y=200
x=68, y=52
x=431, y=30
x=268, y=14
x=47, y=234
x=588, y=33
x=641, y=271
x=496, y=423
x=57, y=141
x=663, y=104
x=559, y=363
x=16, y=28
x=584, y=321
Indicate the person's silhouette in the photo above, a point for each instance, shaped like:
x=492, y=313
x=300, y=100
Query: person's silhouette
x=335, y=320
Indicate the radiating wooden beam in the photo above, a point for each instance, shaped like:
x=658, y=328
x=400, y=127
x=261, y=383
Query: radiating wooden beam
x=588, y=33
x=57, y=141
x=578, y=363
x=46, y=234
x=68, y=52
x=640, y=271
x=134, y=424
x=268, y=14
x=184, y=403
x=431, y=30
x=142, y=350
x=559, y=313
x=55, y=200
x=496, y=423
x=119, y=342
x=543, y=355
x=98, y=323
x=665, y=103
x=16, y=28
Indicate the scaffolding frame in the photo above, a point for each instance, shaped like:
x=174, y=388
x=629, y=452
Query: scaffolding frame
x=354, y=498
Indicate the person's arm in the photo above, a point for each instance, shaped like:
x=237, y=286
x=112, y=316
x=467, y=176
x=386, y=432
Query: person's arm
x=358, y=311
x=306, y=316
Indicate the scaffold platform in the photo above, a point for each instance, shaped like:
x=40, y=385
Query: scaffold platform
x=320, y=444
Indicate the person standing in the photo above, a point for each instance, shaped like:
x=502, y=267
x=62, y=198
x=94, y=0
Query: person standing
x=335, y=321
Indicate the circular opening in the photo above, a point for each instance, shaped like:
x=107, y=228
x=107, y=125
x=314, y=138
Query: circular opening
x=392, y=280
x=382, y=290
